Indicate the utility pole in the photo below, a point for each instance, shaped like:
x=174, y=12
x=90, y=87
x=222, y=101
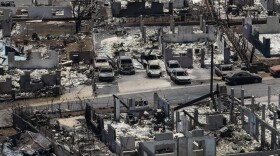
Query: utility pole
x=211, y=77
x=212, y=67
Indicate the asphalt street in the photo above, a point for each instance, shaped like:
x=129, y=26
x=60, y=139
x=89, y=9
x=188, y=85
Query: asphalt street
x=174, y=94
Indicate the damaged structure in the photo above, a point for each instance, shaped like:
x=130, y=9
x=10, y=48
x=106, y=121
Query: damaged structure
x=148, y=78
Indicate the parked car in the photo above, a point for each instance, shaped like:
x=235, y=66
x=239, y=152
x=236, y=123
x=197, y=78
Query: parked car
x=153, y=69
x=171, y=65
x=180, y=76
x=106, y=74
x=125, y=65
x=275, y=71
x=242, y=77
x=101, y=62
x=147, y=57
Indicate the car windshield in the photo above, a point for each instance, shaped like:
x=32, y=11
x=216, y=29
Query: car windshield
x=182, y=73
x=106, y=70
x=126, y=61
x=154, y=66
x=101, y=60
x=151, y=57
x=174, y=66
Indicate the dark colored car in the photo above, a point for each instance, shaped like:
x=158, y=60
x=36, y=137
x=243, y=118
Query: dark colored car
x=180, y=76
x=242, y=77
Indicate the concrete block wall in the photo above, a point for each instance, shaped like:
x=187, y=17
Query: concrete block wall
x=164, y=136
x=243, y=2
x=267, y=4
x=272, y=26
x=178, y=4
x=47, y=12
x=150, y=147
x=42, y=11
x=47, y=80
x=185, y=61
x=51, y=79
x=251, y=33
x=189, y=36
x=181, y=146
x=83, y=55
x=35, y=61
x=214, y=122
x=224, y=48
x=27, y=86
x=111, y=138
x=136, y=9
x=6, y=22
x=6, y=86
x=19, y=122
x=6, y=13
x=209, y=148
x=127, y=143
x=163, y=105
x=95, y=124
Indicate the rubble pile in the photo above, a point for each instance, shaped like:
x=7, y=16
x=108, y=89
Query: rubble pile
x=76, y=75
x=27, y=143
x=233, y=139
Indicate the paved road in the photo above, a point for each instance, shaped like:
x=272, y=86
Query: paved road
x=175, y=95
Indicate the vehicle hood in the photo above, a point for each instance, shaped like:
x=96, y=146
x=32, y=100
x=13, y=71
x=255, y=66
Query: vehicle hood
x=106, y=74
x=127, y=66
x=101, y=64
x=182, y=77
x=170, y=69
x=154, y=71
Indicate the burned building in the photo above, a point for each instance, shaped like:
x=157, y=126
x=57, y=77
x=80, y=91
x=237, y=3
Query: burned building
x=137, y=9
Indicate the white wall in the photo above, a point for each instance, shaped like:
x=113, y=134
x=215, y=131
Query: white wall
x=272, y=26
x=35, y=61
x=185, y=34
x=42, y=11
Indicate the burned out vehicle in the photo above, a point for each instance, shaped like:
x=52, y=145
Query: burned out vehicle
x=153, y=69
x=275, y=71
x=180, y=76
x=146, y=58
x=125, y=65
x=106, y=74
x=242, y=77
x=172, y=65
x=101, y=62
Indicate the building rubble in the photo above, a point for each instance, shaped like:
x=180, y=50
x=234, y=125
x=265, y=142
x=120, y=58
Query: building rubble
x=144, y=78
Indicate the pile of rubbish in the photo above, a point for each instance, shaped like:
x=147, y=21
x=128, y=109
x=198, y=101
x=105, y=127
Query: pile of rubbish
x=27, y=144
